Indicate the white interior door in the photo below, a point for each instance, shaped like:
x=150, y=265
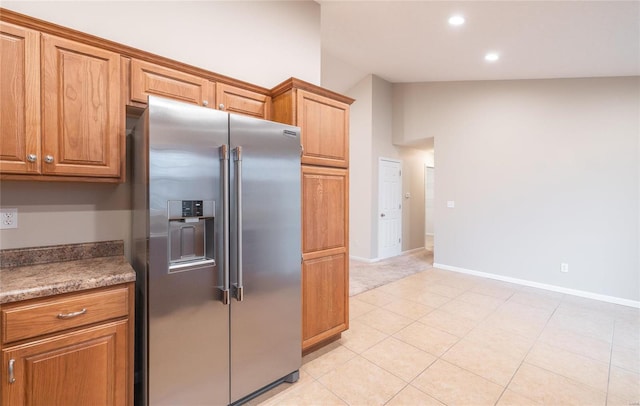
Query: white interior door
x=389, y=208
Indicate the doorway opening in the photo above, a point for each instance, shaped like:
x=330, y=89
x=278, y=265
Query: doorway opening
x=429, y=206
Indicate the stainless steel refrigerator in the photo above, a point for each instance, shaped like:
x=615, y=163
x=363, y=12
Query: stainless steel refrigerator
x=217, y=252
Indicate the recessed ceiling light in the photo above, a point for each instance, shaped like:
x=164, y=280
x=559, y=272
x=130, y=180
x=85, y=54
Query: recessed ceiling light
x=456, y=20
x=491, y=57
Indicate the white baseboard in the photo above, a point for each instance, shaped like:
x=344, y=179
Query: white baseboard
x=554, y=288
x=412, y=251
x=362, y=259
x=372, y=260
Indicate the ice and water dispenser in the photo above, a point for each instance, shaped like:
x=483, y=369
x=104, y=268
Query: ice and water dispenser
x=191, y=234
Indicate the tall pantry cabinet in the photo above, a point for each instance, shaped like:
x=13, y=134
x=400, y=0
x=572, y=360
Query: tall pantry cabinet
x=323, y=117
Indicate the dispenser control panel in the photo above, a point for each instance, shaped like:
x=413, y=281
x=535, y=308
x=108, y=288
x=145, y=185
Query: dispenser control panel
x=192, y=208
x=184, y=209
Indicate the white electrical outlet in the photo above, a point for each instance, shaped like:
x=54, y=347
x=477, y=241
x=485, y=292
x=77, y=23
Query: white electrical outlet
x=8, y=218
x=564, y=267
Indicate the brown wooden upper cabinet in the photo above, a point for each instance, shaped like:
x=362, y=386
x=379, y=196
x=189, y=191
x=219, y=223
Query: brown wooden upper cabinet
x=150, y=79
x=241, y=101
x=82, y=126
x=19, y=100
x=75, y=130
x=323, y=118
x=324, y=127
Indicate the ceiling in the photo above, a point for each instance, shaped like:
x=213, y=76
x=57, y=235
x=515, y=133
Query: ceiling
x=411, y=41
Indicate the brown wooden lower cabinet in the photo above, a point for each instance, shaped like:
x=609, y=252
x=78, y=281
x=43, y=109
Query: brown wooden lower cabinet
x=325, y=255
x=78, y=368
x=325, y=303
x=79, y=365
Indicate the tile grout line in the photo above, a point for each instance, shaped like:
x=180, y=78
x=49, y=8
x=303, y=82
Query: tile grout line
x=467, y=334
x=525, y=357
x=477, y=324
x=439, y=358
x=334, y=394
x=574, y=380
x=613, y=335
x=396, y=394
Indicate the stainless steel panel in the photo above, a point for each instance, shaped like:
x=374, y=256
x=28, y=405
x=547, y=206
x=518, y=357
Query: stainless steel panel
x=187, y=325
x=266, y=325
x=139, y=250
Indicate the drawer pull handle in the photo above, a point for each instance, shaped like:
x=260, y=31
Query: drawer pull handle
x=70, y=315
x=12, y=378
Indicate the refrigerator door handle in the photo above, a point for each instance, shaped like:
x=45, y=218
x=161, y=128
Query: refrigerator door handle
x=224, y=159
x=238, y=163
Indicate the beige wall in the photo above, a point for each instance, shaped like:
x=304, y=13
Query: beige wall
x=371, y=139
x=360, y=167
x=413, y=207
x=413, y=161
x=260, y=42
x=52, y=213
x=541, y=172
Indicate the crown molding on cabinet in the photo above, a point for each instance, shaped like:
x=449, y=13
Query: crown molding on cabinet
x=292, y=83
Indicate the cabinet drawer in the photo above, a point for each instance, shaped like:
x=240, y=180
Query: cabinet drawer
x=56, y=314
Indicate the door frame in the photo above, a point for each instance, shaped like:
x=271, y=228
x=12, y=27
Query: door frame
x=427, y=167
x=378, y=217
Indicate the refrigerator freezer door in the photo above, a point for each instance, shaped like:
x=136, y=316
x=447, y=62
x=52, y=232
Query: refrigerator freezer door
x=188, y=325
x=266, y=314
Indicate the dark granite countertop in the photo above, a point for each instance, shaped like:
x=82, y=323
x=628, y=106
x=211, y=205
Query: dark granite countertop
x=28, y=273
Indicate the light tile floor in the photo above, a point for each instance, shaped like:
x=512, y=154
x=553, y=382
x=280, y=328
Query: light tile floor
x=439, y=337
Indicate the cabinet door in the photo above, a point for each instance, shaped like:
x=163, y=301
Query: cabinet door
x=325, y=298
x=325, y=268
x=151, y=79
x=19, y=99
x=324, y=127
x=77, y=368
x=83, y=129
x=241, y=101
x=324, y=208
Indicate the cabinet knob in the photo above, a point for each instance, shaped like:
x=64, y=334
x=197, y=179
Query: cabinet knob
x=205, y=103
x=48, y=159
x=32, y=157
x=221, y=106
x=382, y=214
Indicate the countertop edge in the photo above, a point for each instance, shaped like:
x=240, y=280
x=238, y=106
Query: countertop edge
x=18, y=295
x=44, y=280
